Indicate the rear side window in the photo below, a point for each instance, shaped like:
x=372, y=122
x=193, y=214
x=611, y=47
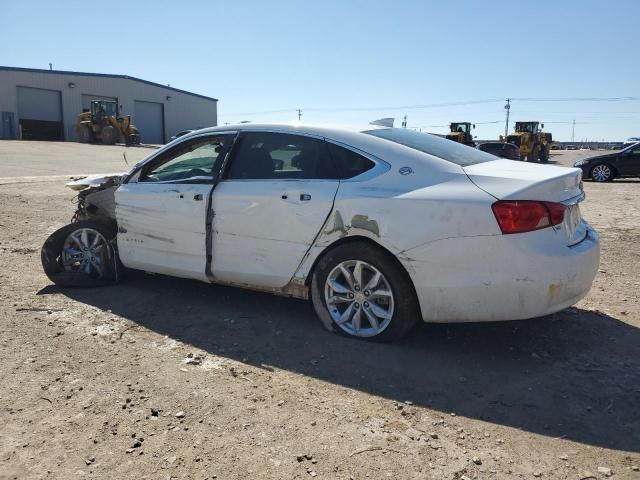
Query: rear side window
x=273, y=156
x=348, y=163
x=448, y=150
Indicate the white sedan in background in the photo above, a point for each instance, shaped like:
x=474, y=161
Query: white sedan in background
x=380, y=228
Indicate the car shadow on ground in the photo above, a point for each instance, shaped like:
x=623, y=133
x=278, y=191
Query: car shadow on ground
x=573, y=375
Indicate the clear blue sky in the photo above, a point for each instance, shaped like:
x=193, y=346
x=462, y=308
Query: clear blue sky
x=327, y=56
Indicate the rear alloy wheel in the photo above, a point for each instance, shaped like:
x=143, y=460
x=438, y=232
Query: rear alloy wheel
x=359, y=298
x=601, y=173
x=360, y=291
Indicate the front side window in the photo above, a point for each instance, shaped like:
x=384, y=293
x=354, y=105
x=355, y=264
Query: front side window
x=271, y=156
x=192, y=161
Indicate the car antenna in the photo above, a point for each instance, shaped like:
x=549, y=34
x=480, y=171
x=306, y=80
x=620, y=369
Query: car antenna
x=124, y=155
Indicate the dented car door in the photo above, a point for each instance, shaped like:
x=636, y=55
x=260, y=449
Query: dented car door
x=162, y=209
x=274, y=197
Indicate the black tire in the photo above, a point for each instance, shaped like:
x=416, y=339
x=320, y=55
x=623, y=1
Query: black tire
x=51, y=254
x=602, y=172
x=109, y=135
x=534, y=155
x=544, y=154
x=85, y=134
x=406, y=309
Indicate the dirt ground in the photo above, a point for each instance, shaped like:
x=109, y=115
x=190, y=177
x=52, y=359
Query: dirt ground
x=160, y=378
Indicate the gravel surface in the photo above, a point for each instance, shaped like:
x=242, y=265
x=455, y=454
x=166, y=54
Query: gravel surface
x=166, y=378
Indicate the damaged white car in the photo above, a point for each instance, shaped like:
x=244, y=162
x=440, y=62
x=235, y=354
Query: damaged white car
x=380, y=228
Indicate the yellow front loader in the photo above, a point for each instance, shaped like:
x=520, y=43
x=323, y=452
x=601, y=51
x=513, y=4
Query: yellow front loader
x=534, y=144
x=103, y=124
x=461, y=132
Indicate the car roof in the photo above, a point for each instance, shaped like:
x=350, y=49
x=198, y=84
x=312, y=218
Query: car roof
x=331, y=132
x=351, y=136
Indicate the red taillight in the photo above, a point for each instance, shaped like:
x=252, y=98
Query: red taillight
x=519, y=216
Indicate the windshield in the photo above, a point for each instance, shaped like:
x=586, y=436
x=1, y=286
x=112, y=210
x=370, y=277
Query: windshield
x=448, y=150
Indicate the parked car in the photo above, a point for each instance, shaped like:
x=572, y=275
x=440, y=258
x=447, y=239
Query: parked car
x=572, y=147
x=500, y=149
x=620, y=164
x=180, y=134
x=380, y=228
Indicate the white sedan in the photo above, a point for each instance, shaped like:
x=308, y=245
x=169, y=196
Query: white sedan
x=380, y=228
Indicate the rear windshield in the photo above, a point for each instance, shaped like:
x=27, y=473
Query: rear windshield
x=448, y=150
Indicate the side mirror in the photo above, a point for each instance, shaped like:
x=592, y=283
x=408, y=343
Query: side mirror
x=474, y=125
x=542, y=125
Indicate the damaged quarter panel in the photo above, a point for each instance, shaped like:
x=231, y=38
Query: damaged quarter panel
x=400, y=211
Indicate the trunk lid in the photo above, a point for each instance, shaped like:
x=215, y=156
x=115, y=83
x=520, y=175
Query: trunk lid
x=513, y=180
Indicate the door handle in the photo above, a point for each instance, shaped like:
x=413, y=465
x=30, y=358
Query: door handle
x=197, y=196
x=305, y=197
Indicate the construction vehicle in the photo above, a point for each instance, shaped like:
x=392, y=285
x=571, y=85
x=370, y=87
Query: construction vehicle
x=104, y=124
x=534, y=144
x=461, y=132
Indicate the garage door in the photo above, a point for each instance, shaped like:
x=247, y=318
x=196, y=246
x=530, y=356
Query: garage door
x=40, y=114
x=149, y=119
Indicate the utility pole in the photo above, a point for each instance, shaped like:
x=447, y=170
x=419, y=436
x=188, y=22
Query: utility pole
x=507, y=107
x=573, y=131
x=404, y=122
x=299, y=110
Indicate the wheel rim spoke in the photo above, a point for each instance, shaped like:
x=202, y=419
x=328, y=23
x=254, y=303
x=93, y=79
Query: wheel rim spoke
x=339, y=299
x=84, y=238
x=346, y=315
x=380, y=294
x=373, y=283
x=347, y=276
x=379, y=311
x=357, y=321
x=338, y=287
x=373, y=320
x=95, y=242
x=357, y=274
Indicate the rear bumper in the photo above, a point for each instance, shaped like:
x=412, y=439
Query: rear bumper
x=504, y=277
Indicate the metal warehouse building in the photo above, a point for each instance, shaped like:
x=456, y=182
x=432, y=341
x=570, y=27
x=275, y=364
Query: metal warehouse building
x=45, y=104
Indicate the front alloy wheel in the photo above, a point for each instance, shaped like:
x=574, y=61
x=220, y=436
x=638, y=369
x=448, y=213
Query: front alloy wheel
x=82, y=254
x=359, y=298
x=601, y=173
x=85, y=250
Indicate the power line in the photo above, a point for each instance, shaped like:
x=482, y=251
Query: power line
x=371, y=109
x=577, y=99
x=445, y=104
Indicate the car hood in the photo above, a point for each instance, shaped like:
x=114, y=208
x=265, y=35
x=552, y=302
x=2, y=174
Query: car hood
x=599, y=157
x=93, y=180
